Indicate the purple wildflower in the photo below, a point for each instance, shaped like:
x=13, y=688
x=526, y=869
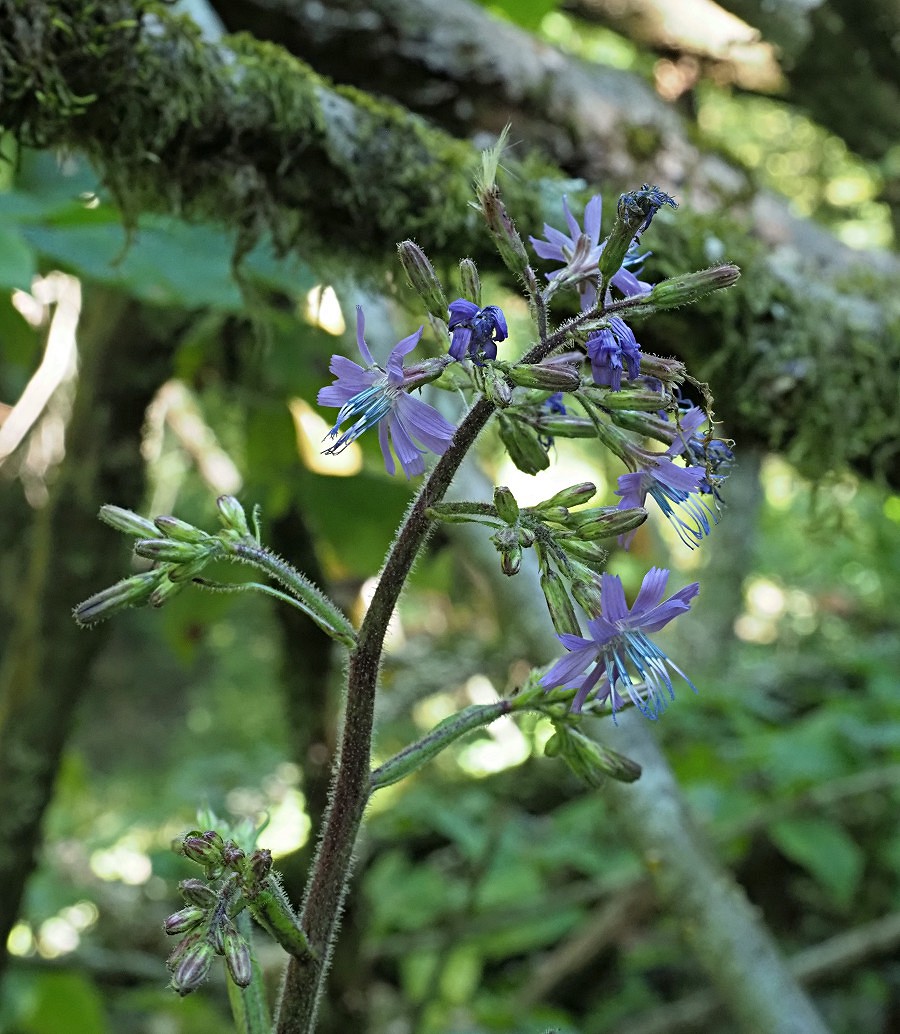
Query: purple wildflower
x=371, y=395
x=674, y=488
x=475, y=331
x=643, y=204
x=608, y=348
x=553, y=406
x=702, y=449
x=619, y=649
x=580, y=252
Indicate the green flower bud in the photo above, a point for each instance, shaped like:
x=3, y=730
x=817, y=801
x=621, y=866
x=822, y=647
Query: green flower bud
x=591, y=761
x=506, y=504
x=238, y=958
x=588, y=553
x=506, y=542
x=164, y=591
x=628, y=398
x=566, y=427
x=128, y=522
x=548, y=376
x=562, y=613
x=575, y=495
x=496, y=387
x=179, y=530
x=599, y=522
x=196, y=892
x=633, y=214
x=232, y=515
x=689, y=287
x=422, y=278
x=203, y=848
x=193, y=967
x=470, y=281
x=185, y=920
x=170, y=551
x=260, y=864
x=130, y=592
x=523, y=445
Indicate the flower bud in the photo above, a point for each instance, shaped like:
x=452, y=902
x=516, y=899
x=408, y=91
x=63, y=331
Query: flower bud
x=600, y=522
x=193, y=967
x=506, y=542
x=587, y=595
x=422, y=277
x=196, y=892
x=548, y=376
x=562, y=613
x=588, y=553
x=232, y=515
x=640, y=399
x=523, y=444
x=128, y=522
x=507, y=507
x=591, y=761
x=185, y=920
x=203, y=848
x=164, y=591
x=470, y=281
x=180, y=531
x=689, y=287
x=130, y=592
x=575, y=495
x=497, y=388
x=170, y=551
x=566, y=426
x=238, y=958
x=260, y=864
x=232, y=854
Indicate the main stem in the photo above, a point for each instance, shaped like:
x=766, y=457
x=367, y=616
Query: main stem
x=327, y=883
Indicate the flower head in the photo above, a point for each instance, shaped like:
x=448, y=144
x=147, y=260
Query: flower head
x=476, y=331
x=676, y=490
x=608, y=348
x=370, y=396
x=580, y=252
x=702, y=449
x=552, y=406
x=622, y=655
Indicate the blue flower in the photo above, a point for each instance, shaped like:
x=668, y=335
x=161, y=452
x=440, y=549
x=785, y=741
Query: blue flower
x=475, y=331
x=608, y=348
x=370, y=396
x=552, y=406
x=643, y=204
x=580, y=252
x=622, y=655
x=702, y=449
x=676, y=490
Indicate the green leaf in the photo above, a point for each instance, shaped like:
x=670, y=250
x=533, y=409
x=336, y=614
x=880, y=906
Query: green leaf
x=17, y=264
x=825, y=850
x=66, y=1002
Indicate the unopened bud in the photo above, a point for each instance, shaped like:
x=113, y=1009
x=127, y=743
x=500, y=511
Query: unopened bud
x=575, y=495
x=238, y=959
x=196, y=892
x=203, y=848
x=179, y=530
x=170, y=551
x=507, y=507
x=470, y=281
x=591, y=761
x=587, y=595
x=193, y=967
x=506, y=542
x=601, y=522
x=497, y=388
x=546, y=376
x=232, y=854
x=562, y=613
x=588, y=553
x=184, y=921
x=232, y=515
x=422, y=278
x=130, y=592
x=165, y=591
x=523, y=444
x=640, y=399
x=682, y=290
x=260, y=864
x=128, y=522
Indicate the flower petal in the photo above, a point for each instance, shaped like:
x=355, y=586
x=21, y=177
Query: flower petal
x=425, y=423
x=360, y=337
x=612, y=598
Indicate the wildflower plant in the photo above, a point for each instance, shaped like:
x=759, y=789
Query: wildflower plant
x=585, y=377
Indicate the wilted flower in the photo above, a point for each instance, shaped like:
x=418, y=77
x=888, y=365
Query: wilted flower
x=619, y=653
x=608, y=348
x=580, y=252
x=370, y=396
x=475, y=331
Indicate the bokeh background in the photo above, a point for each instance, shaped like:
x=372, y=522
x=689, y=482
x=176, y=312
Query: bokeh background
x=141, y=365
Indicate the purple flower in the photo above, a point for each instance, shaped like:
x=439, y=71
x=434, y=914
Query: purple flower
x=676, y=490
x=476, y=331
x=643, y=204
x=608, y=348
x=618, y=648
x=701, y=449
x=552, y=406
x=579, y=253
x=371, y=395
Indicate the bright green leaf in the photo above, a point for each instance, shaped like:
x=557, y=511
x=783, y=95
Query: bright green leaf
x=825, y=850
